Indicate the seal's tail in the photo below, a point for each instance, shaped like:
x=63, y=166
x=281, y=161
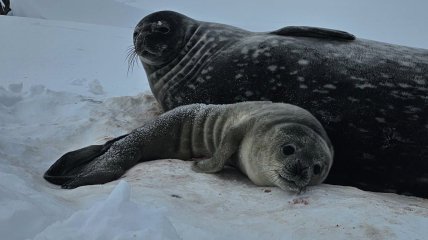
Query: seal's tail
x=68, y=167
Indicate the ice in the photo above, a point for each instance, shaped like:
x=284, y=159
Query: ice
x=24, y=211
x=116, y=217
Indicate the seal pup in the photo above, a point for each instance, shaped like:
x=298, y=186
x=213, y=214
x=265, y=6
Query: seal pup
x=274, y=144
x=371, y=97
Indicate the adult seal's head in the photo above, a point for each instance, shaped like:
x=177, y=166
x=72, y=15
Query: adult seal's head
x=159, y=37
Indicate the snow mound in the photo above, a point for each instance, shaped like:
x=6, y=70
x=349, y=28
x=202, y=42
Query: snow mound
x=75, y=119
x=32, y=141
x=24, y=210
x=116, y=217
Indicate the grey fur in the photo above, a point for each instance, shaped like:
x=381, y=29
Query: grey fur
x=371, y=97
x=247, y=135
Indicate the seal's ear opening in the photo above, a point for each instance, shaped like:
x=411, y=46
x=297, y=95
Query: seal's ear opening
x=71, y=164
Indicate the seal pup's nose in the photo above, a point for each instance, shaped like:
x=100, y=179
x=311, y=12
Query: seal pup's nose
x=298, y=173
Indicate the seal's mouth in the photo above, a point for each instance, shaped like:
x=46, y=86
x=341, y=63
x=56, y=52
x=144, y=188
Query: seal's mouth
x=293, y=186
x=154, y=51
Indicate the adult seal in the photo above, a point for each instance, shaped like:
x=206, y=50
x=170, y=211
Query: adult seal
x=274, y=144
x=370, y=96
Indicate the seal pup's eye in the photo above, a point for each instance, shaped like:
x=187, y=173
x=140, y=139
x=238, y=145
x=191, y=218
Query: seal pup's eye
x=288, y=149
x=317, y=169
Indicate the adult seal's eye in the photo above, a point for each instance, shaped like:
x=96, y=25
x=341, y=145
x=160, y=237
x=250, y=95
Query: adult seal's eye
x=160, y=27
x=163, y=29
x=288, y=149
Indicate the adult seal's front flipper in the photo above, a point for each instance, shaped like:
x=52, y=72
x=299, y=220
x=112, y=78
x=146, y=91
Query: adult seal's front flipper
x=313, y=32
x=71, y=164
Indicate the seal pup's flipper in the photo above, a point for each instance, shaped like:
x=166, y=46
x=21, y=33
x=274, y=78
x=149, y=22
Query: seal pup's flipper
x=71, y=164
x=228, y=147
x=313, y=32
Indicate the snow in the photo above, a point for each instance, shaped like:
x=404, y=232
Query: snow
x=68, y=55
x=116, y=217
x=64, y=85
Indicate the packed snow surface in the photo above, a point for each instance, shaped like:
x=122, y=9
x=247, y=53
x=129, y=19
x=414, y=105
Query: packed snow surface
x=64, y=85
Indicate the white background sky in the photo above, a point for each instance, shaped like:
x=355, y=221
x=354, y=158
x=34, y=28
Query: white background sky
x=394, y=21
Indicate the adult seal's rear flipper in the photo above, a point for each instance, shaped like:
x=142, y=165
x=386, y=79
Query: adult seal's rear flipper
x=71, y=164
x=313, y=32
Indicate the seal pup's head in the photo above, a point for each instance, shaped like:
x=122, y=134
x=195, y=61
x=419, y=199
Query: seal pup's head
x=287, y=155
x=160, y=36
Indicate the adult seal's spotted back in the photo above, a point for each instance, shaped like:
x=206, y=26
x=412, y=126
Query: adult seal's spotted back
x=371, y=97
